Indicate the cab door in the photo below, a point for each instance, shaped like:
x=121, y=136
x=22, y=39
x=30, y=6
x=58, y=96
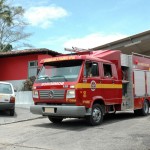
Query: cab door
x=91, y=80
x=111, y=86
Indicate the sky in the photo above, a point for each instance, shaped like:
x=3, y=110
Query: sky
x=59, y=24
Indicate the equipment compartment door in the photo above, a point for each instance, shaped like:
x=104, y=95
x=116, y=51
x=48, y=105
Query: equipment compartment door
x=139, y=83
x=148, y=83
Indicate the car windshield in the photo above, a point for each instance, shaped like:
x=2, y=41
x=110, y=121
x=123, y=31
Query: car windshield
x=60, y=71
x=5, y=88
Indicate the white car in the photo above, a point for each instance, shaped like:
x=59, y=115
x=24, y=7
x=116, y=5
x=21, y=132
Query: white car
x=7, y=97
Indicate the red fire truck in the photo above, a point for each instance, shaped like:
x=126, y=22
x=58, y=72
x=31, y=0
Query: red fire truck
x=91, y=84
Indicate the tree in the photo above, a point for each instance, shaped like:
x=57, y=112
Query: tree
x=12, y=27
x=28, y=84
x=6, y=48
x=5, y=13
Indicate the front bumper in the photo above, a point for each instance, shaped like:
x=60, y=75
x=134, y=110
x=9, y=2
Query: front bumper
x=63, y=110
x=7, y=106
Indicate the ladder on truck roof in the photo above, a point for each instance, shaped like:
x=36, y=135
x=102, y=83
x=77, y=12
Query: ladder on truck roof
x=77, y=50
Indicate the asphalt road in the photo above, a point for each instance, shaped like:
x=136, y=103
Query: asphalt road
x=118, y=132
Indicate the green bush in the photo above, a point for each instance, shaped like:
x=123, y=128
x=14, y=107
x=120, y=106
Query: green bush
x=27, y=85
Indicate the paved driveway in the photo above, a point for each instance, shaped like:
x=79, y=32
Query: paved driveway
x=118, y=132
x=21, y=114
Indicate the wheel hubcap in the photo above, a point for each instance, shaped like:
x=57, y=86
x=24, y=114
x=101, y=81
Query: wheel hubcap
x=96, y=114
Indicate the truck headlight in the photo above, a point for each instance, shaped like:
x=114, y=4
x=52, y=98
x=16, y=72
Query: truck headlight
x=35, y=94
x=70, y=94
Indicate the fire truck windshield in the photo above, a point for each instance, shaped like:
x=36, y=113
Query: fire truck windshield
x=60, y=71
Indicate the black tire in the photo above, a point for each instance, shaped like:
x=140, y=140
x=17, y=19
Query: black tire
x=137, y=112
x=55, y=120
x=12, y=112
x=144, y=111
x=96, y=117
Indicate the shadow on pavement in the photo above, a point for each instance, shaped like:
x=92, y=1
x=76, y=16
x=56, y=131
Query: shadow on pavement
x=6, y=114
x=81, y=124
x=66, y=124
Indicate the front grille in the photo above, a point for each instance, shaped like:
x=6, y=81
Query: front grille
x=52, y=94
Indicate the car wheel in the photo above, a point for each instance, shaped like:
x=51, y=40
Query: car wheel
x=55, y=119
x=12, y=112
x=96, y=116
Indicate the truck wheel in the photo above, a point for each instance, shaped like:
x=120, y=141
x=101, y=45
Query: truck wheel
x=96, y=116
x=55, y=120
x=144, y=111
x=12, y=112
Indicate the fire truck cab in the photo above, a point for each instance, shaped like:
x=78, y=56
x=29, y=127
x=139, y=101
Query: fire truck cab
x=91, y=84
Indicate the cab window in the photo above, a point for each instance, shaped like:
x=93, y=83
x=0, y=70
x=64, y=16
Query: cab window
x=107, y=70
x=91, y=69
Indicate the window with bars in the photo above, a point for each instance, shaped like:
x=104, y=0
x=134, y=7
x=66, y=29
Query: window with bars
x=32, y=68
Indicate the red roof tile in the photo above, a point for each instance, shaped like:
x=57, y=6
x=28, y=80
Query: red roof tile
x=29, y=51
